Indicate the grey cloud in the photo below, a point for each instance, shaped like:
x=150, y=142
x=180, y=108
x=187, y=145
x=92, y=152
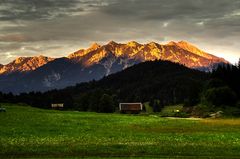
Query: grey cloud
x=13, y=38
x=172, y=9
x=42, y=9
x=117, y=17
x=5, y=47
x=76, y=23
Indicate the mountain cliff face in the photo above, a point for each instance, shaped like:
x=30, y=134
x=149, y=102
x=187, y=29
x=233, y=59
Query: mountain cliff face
x=44, y=73
x=24, y=64
x=180, y=52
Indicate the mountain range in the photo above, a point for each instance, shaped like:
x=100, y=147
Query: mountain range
x=44, y=73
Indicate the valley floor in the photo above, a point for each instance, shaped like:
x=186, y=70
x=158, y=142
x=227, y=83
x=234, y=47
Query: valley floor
x=36, y=133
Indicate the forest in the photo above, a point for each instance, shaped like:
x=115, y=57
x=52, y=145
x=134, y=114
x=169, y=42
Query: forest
x=161, y=83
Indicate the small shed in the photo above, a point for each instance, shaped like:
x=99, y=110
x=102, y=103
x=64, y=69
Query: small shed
x=57, y=106
x=131, y=108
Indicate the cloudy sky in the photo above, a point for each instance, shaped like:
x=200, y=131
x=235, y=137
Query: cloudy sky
x=58, y=27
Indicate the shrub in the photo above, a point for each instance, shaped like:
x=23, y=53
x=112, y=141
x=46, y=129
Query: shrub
x=181, y=114
x=219, y=96
x=106, y=104
x=201, y=111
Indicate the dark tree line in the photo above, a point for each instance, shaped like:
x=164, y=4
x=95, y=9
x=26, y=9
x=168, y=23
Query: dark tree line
x=158, y=82
x=224, y=87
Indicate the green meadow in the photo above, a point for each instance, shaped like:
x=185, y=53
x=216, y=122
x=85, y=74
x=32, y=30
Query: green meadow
x=27, y=132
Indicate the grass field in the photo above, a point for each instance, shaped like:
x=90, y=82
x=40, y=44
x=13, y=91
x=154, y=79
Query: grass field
x=36, y=133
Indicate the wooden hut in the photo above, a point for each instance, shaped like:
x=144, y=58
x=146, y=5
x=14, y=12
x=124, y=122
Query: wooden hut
x=131, y=108
x=58, y=106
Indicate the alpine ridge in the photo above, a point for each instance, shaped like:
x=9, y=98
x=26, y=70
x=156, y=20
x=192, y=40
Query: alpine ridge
x=24, y=64
x=44, y=73
x=180, y=52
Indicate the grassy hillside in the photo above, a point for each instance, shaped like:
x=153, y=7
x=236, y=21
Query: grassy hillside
x=32, y=132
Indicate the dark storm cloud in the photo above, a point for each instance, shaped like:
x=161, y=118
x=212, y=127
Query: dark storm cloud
x=76, y=23
x=31, y=10
x=172, y=9
x=37, y=9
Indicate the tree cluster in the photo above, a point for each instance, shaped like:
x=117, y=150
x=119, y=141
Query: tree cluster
x=159, y=82
x=224, y=88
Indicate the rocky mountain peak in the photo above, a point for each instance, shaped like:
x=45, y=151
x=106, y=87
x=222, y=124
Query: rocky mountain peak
x=153, y=44
x=187, y=46
x=19, y=60
x=112, y=43
x=95, y=46
x=80, y=53
x=193, y=49
x=183, y=52
x=172, y=43
x=133, y=44
x=23, y=64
